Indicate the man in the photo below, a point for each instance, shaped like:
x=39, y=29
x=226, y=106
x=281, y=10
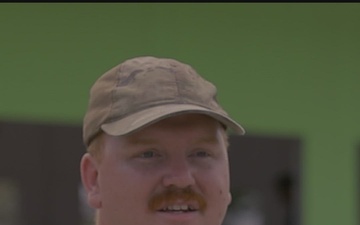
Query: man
x=157, y=146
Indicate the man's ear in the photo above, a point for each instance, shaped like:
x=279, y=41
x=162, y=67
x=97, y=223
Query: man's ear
x=229, y=198
x=89, y=178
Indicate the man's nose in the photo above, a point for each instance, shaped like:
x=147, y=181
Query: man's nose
x=178, y=173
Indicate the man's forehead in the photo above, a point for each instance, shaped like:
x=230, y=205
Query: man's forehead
x=151, y=140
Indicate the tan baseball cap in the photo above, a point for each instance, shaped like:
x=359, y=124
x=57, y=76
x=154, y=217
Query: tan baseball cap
x=143, y=90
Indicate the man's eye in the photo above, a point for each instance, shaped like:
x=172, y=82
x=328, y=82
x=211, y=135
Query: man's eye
x=149, y=154
x=201, y=154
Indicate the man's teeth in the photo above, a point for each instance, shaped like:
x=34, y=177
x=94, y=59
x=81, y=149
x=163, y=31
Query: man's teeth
x=178, y=208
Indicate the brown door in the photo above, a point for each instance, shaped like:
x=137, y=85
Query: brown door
x=41, y=162
x=265, y=180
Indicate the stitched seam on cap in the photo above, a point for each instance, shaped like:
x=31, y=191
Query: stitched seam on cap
x=113, y=89
x=177, y=88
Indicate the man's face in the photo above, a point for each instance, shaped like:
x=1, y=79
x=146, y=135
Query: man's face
x=173, y=172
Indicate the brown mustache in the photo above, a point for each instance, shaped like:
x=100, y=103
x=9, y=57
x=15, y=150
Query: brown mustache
x=172, y=194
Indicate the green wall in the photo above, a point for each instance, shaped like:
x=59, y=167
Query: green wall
x=285, y=69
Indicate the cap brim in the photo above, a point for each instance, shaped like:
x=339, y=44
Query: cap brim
x=152, y=115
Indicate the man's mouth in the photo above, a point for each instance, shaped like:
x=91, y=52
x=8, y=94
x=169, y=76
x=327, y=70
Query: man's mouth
x=179, y=208
x=178, y=212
